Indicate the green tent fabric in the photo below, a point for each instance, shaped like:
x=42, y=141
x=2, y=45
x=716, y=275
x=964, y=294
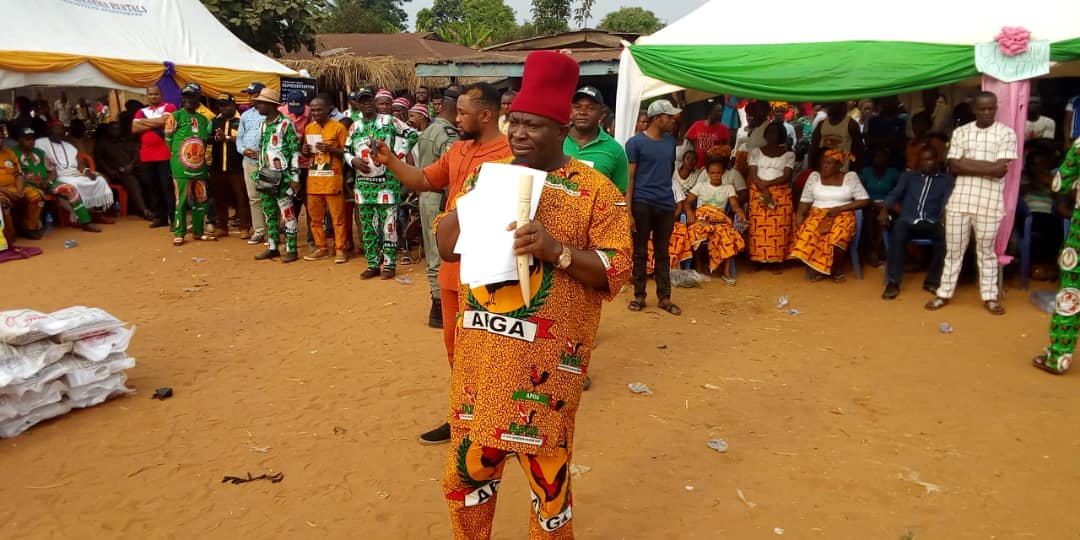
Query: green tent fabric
x=831, y=71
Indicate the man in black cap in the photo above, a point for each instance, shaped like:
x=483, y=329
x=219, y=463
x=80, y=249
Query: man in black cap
x=186, y=132
x=592, y=145
x=356, y=110
x=227, y=170
x=297, y=111
x=248, y=144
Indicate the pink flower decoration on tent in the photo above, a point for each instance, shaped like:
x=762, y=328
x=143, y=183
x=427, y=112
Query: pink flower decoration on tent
x=1013, y=40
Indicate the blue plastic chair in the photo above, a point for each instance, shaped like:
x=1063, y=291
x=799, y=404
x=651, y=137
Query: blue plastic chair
x=913, y=241
x=1025, y=249
x=854, y=247
x=686, y=265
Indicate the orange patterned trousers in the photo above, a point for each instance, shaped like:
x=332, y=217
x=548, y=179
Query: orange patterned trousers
x=816, y=250
x=473, y=475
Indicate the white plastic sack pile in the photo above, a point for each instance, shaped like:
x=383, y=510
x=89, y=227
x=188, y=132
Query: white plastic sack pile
x=52, y=363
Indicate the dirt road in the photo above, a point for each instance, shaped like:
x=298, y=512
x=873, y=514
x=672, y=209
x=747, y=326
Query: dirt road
x=855, y=419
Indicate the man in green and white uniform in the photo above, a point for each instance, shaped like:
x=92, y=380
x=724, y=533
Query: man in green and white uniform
x=186, y=133
x=378, y=191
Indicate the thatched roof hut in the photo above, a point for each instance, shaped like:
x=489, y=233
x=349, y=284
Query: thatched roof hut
x=344, y=61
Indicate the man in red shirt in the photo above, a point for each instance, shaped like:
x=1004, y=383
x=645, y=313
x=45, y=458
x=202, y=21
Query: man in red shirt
x=481, y=141
x=705, y=134
x=149, y=124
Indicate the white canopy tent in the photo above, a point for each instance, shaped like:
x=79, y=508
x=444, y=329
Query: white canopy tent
x=125, y=45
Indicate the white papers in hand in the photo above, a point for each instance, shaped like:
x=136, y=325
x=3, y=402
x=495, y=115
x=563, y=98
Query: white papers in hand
x=314, y=139
x=485, y=246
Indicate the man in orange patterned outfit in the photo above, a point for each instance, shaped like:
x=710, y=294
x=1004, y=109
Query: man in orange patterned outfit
x=519, y=370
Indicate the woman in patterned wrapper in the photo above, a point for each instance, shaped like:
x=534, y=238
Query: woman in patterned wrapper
x=825, y=221
x=1065, y=321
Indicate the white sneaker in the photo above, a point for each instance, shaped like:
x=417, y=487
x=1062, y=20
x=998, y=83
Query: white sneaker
x=256, y=239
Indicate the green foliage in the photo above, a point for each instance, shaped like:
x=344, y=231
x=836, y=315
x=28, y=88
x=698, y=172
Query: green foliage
x=633, y=20
x=440, y=13
x=365, y=17
x=465, y=33
x=472, y=23
x=271, y=26
x=554, y=16
x=551, y=16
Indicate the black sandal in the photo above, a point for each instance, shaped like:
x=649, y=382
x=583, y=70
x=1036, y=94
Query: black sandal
x=994, y=307
x=670, y=307
x=636, y=304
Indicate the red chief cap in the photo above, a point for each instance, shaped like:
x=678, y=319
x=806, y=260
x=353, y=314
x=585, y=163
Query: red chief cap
x=547, y=86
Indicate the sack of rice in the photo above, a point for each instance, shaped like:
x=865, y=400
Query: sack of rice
x=81, y=322
x=22, y=326
x=97, y=392
x=97, y=348
x=15, y=426
x=11, y=406
x=79, y=371
x=19, y=362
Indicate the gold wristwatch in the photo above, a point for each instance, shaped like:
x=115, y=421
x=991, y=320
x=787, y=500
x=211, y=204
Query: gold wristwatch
x=564, y=258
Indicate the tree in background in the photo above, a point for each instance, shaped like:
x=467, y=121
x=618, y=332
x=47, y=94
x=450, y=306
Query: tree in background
x=440, y=13
x=633, y=20
x=271, y=26
x=554, y=16
x=365, y=17
x=472, y=23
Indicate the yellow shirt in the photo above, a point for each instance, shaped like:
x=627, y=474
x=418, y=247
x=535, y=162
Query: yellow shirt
x=206, y=112
x=9, y=168
x=325, y=170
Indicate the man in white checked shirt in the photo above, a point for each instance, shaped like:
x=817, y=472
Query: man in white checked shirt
x=979, y=157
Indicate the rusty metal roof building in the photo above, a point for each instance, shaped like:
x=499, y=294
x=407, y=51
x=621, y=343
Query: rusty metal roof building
x=596, y=51
x=403, y=46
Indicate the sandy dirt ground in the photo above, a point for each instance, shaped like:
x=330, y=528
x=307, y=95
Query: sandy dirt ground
x=833, y=416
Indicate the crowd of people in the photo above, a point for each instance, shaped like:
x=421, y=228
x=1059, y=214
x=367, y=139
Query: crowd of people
x=779, y=181
x=792, y=182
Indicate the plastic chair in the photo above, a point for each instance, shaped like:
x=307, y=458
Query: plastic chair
x=735, y=221
x=912, y=241
x=686, y=265
x=856, y=264
x=853, y=249
x=1025, y=248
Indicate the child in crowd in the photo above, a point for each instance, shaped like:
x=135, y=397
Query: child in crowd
x=686, y=174
x=709, y=224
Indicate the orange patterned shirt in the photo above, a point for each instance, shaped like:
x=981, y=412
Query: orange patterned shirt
x=518, y=371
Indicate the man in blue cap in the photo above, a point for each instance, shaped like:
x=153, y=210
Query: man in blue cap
x=248, y=136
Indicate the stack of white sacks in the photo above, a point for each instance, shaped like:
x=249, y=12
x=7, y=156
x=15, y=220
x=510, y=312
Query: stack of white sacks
x=52, y=363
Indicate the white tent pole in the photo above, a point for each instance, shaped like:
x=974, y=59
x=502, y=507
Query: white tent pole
x=627, y=96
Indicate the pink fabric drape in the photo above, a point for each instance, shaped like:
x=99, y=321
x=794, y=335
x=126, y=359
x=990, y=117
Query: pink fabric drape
x=1012, y=111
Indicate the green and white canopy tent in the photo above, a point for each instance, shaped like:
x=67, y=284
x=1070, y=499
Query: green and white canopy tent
x=835, y=56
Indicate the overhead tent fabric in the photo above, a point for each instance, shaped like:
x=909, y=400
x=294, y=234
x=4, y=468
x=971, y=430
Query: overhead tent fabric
x=921, y=44
x=126, y=45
